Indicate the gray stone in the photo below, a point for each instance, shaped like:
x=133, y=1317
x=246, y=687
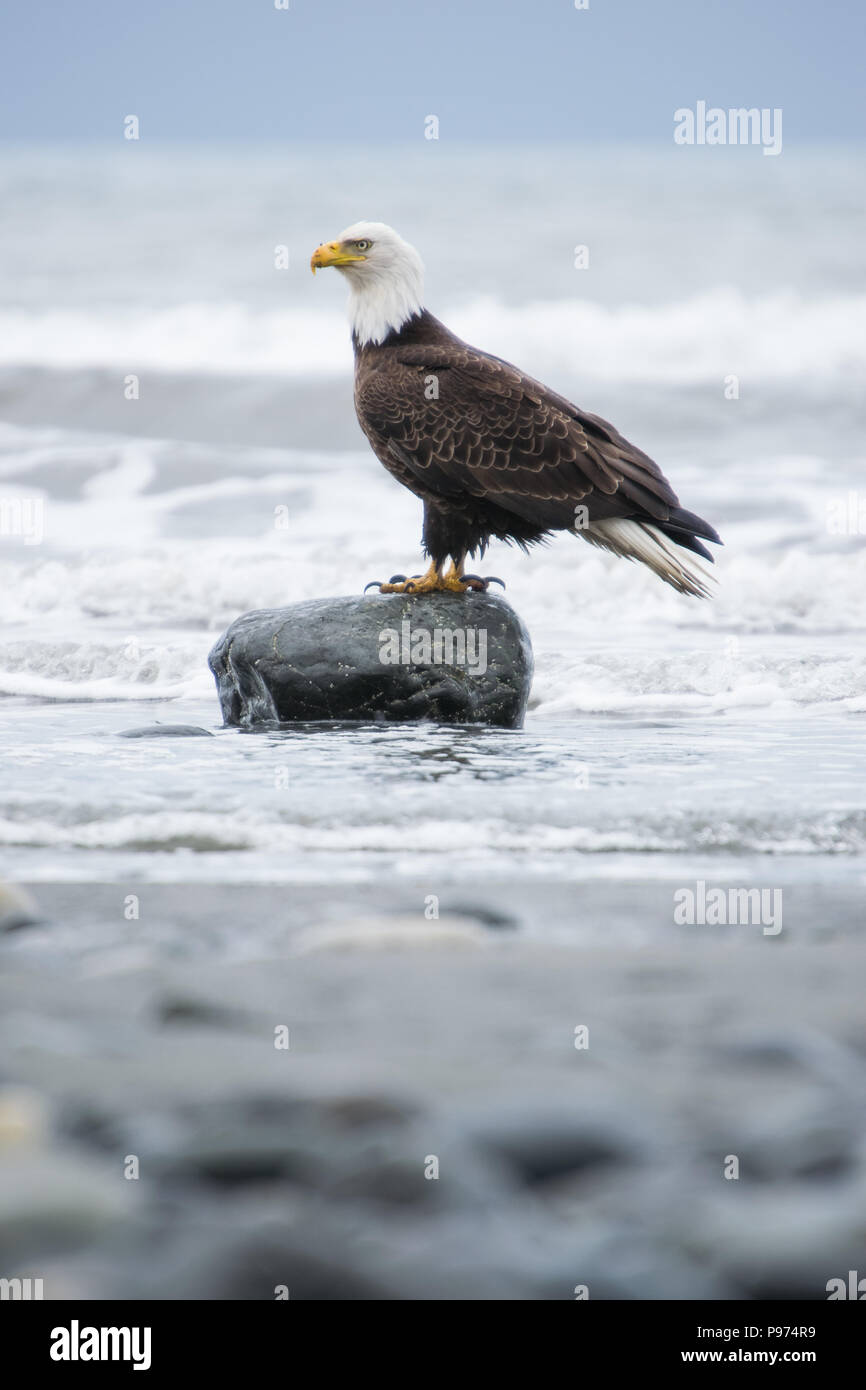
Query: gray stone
x=18, y=908
x=54, y=1198
x=778, y=1244
x=348, y=659
x=542, y=1142
x=166, y=731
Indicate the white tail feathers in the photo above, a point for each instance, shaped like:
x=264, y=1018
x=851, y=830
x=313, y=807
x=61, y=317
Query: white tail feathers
x=640, y=540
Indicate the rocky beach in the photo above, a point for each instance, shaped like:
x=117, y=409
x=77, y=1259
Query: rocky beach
x=244, y=1094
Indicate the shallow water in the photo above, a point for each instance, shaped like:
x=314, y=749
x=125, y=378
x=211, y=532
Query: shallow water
x=418, y=810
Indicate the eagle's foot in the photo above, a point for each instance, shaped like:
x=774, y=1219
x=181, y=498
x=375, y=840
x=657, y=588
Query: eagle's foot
x=430, y=583
x=434, y=582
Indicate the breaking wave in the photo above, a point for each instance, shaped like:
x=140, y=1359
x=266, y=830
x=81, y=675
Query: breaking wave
x=705, y=337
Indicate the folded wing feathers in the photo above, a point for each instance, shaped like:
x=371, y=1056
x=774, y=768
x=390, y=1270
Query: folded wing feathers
x=497, y=434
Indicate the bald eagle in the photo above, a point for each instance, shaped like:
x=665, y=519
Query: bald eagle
x=488, y=450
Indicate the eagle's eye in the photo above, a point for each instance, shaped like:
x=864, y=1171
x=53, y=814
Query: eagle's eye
x=363, y=245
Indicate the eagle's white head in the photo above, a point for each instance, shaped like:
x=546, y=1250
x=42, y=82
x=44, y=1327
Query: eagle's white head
x=385, y=275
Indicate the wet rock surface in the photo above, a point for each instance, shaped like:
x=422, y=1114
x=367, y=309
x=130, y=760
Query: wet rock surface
x=447, y=658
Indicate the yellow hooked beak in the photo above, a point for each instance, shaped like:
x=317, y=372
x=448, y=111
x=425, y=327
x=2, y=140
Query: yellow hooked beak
x=332, y=253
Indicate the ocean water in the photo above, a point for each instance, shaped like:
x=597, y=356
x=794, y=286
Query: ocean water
x=666, y=738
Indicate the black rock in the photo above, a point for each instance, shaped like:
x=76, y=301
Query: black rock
x=449, y=658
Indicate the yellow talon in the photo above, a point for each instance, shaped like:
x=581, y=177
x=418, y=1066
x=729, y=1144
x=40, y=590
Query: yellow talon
x=433, y=582
x=428, y=583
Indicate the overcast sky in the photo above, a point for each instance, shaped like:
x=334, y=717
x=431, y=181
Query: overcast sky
x=356, y=71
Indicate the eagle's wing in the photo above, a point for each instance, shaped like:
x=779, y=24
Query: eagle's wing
x=466, y=423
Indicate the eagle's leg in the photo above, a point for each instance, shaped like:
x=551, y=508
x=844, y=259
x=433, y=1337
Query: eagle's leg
x=454, y=581
x=457, y=582
x=433, y=582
